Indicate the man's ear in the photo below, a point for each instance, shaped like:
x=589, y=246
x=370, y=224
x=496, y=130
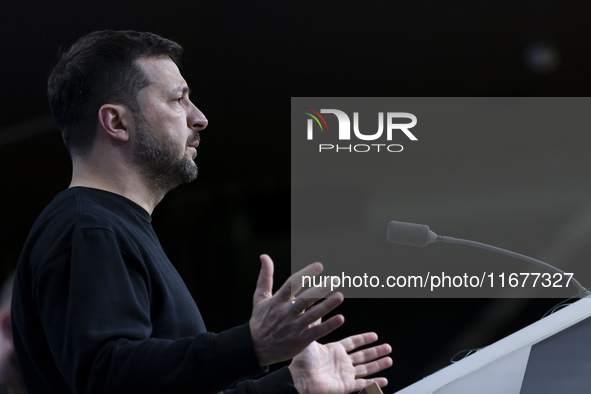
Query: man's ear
x=114, y=120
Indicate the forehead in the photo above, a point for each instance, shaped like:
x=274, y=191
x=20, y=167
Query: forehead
x=162, y=72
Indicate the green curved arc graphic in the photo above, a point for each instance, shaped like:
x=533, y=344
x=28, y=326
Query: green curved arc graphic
x=316, y=119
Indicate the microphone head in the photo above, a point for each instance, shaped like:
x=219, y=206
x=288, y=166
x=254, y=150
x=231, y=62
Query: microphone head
x=403, y=233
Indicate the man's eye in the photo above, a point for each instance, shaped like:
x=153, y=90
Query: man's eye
x=178, y=100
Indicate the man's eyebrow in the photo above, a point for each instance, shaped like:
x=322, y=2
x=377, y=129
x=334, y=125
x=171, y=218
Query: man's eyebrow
x=182, y=89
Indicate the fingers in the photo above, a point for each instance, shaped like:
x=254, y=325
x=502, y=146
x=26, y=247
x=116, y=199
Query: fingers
x=319, y=310
x=264, y=288
x=310, y=296
x=316, y=323
x=362, y=359
x=360, y=384
x=372, y=353
x=355, y=341
x=316, y=332
x=372, y=367
x=294, y=283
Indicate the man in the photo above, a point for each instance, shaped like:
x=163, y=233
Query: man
x=97, y=306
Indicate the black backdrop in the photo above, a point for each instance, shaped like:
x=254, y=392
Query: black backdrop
x=244, y=62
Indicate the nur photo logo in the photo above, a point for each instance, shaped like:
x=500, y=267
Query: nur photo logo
x=389, y=124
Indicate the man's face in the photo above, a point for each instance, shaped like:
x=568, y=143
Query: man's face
x=167, y=126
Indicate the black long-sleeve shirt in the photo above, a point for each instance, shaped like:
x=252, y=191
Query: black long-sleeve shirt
x=99, y=308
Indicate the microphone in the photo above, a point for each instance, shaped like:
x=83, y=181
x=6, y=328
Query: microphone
x=412, y=234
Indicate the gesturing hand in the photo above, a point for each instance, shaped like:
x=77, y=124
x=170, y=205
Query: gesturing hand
x=280, y=329
x=329, y=369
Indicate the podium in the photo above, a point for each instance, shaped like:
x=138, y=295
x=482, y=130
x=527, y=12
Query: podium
x=552, y=355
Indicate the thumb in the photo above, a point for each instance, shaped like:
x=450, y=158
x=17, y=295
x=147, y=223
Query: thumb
x=264, y=287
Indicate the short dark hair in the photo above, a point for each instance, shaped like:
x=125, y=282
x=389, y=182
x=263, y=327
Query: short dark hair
x=100, y=68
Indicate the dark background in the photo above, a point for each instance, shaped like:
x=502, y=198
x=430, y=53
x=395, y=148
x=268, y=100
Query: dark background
x=244, y=62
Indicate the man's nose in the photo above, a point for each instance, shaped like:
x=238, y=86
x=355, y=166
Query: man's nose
x=195, y=119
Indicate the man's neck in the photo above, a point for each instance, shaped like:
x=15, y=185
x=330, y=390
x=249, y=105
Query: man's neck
x=123, y=182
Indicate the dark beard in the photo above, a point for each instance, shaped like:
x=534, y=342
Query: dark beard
x=157, y=159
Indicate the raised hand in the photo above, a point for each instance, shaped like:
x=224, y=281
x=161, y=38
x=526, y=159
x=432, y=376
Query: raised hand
x=282, y=326
x=331, y=369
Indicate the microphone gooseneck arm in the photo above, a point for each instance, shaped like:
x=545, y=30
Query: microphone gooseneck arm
x=583, y=292
x=413, y=234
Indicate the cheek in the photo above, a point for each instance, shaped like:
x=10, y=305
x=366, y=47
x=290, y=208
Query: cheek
x=174, y=128
x=176, y=123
